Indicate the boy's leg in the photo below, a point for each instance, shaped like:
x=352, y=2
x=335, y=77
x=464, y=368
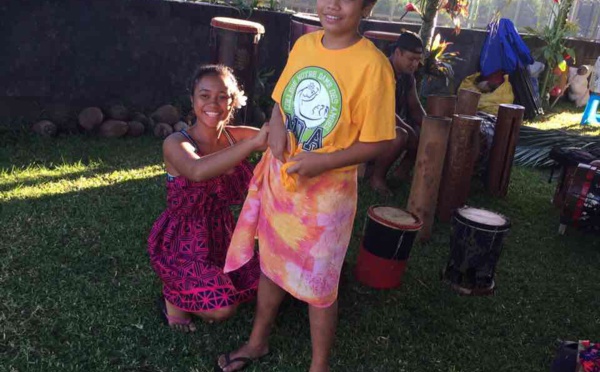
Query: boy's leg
x=323, y=322
x=268, y=300
x=385, y=160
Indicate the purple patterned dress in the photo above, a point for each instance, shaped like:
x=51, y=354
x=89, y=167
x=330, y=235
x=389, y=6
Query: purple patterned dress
x=188, y=242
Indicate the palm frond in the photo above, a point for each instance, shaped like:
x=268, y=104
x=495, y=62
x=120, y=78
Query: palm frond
x=534, y=145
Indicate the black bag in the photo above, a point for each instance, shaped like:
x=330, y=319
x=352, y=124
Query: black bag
x=524, y=93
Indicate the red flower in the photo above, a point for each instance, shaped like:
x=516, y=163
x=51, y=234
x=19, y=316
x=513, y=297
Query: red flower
x=410, y=7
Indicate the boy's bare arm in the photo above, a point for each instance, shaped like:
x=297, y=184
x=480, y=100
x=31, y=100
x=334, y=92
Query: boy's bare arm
x=311, y=164
x=277, y=133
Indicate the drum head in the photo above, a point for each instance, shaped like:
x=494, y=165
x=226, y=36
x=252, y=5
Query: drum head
x=381, y=35
x=394, y=217
x=483, y=217
x=239, y=25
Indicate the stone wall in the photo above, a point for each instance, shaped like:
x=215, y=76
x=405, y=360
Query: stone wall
x=141, y=53
x=137, y=52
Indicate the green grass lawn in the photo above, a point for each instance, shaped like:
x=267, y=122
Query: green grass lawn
x=567, y=117
x=78, y=292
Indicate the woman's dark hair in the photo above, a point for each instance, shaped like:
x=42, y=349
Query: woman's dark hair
x=237, y=94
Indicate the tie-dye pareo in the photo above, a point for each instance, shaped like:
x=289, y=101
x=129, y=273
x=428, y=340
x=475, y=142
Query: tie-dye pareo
x=303, y=227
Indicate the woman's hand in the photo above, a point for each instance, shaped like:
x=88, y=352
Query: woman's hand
x=259, y=141
x=309, y=164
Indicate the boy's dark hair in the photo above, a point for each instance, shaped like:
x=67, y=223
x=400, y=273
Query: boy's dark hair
x=227, y=74
x=366, y=3
x=409, y=41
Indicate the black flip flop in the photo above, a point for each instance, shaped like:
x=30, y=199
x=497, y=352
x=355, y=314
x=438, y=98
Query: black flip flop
x=228, y=361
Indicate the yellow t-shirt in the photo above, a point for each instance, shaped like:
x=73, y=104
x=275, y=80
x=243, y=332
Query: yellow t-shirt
x=336, y=97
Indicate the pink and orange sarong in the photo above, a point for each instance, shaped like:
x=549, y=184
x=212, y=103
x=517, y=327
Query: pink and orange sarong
x=303, y=227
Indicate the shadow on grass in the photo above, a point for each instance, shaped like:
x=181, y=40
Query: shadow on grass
x=66, y=176
x=120, y=153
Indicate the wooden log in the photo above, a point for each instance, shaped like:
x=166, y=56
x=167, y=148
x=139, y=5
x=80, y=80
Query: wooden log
x=140, y=117
x=168, y=114
x=44, y=128
x=502, y=153
x=428, y=171
x=63, y=116
x=463, y=147
x=113, y=128
x=90, y=118
x=136, y=128
x=441, y=105
x=179, y=126
x=118, y=112
x=162, y=130
x=467, y=102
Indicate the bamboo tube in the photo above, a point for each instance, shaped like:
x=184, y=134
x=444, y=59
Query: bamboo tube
x=467, y=102
x=502, y=153
x=428, y=171
x=440, y=105
x=463, y=147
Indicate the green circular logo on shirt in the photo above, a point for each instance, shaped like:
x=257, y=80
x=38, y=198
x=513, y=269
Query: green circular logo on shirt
x=312, y=103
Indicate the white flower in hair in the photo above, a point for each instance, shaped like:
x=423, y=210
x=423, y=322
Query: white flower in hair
x=241, y=100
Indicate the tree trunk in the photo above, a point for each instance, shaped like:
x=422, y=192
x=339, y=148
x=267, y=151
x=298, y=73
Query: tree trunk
x=429, y=22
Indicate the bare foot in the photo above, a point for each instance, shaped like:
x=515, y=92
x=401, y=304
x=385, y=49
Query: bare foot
x=236, y=360
x=178, y=319
x=379, y=185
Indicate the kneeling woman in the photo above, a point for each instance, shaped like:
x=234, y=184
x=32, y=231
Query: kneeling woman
x=207, y=172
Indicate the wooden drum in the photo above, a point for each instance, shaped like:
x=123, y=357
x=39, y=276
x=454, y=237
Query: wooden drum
x=234, y=43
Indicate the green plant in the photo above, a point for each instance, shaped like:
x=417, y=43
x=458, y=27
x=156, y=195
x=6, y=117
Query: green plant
x=428, y=11
x=554, y=51
x=261, y=98
x=438, y=62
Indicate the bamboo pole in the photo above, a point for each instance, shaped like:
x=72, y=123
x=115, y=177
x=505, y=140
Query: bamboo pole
x=502, y=153
x=463, y=147
x=428, y=171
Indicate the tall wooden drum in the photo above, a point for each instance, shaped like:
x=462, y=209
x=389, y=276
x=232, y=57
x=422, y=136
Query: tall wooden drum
x=388, y=238
x=475, y=247
x=234, y=42
x=382, y=40
x=301, y=24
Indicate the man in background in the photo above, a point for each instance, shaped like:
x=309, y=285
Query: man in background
x=405, y=59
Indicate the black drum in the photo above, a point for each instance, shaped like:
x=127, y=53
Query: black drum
x=385, y=247
x=475, y=246
x=234, y=43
